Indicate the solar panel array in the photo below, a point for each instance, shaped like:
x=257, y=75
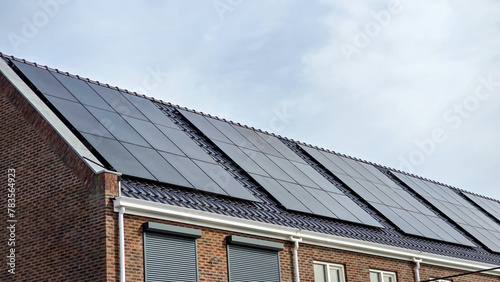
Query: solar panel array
x=286, y=176
x=401, y=208
x=132, y=134
x=472, y=220
x=490, y=206
x=136, y=138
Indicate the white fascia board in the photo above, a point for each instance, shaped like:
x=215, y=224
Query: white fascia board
x=234, y=224
x=52, y=119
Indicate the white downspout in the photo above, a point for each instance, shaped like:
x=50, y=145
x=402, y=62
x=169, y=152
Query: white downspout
x=122, y=244
x=296, y=257
x=417, y=267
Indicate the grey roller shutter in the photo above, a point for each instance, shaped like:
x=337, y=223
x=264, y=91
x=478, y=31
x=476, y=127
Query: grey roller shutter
x=251, y=264
x=169, y=258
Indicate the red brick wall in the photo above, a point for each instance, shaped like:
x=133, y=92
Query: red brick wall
x=212, y=258
x=60, y=230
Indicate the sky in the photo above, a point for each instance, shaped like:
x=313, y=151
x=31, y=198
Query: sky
x=413, y=85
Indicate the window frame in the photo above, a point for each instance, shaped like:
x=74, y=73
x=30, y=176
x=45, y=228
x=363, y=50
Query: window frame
x=384, y=273
x=440, y=280
x=329, y=265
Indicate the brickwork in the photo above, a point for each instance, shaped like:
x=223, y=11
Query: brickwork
x=60, y=227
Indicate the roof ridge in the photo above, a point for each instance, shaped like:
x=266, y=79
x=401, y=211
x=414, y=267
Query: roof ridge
x=2, y=55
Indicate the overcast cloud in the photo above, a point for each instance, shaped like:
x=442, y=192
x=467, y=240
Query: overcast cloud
x=413, y=85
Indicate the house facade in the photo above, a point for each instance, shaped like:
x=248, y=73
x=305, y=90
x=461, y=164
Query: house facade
x=107, y=185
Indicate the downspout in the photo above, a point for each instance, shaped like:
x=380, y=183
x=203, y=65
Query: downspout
x=122, y=244
x=121, y=232
x=296, y=257
x=417, y=268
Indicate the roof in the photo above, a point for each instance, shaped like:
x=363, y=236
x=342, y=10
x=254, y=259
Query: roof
x=214, y=165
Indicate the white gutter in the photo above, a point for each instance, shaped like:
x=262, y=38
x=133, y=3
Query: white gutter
x=417, y=268
x=122, y=243
x=234, y=224
x=296, y=257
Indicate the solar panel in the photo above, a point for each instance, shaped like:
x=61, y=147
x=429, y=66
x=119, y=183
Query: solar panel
x=280, y=171
x=121, y=159
x=83, y=92
x=402, y=209
x=208, y=129
x=472, y=220
x=133, y=135
x=153, y=135
x=117, y=101
x=152, y=112
x=185, y=144
x=490, y=206
x=157, y=165
x=115, y=124
x=79, y=117
x=44, y=80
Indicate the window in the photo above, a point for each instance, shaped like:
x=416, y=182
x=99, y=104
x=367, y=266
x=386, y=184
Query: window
x=170, y=253
x=328, y=272
x=382, y=276
x=253, y=260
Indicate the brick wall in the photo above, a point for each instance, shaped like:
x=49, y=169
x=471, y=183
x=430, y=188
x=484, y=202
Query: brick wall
x=212, y=258
x=60, y=230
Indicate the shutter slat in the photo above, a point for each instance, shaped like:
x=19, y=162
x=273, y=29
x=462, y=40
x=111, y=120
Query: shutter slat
x=252, y=264
x=169, y=258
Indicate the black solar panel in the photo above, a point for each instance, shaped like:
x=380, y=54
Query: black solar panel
x=392, y=201
x=133, y=135
x=119, y=157
x=83, y=92
x=45, y=82
x=279, y=170
x=472, y=220
x=490, y=206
